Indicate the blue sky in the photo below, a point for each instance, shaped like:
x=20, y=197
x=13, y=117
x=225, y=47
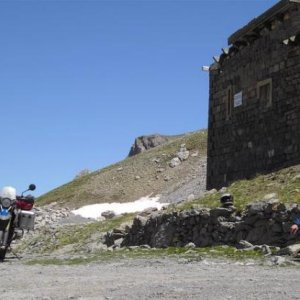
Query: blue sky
x=79, y=80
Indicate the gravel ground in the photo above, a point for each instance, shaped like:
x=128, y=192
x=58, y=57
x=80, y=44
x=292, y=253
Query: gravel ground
x=149, y=279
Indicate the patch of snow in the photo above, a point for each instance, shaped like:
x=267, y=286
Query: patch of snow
x=94, y=211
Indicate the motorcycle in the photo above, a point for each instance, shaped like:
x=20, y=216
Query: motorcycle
x=16, y=215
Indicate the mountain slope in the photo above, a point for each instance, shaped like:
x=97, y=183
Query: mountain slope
x=146, y=173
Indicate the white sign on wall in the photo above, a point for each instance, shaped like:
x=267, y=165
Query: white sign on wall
x=238, y=99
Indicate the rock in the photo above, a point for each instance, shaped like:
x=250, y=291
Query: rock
x=118, y=242
x=221, y=211
x=295, y=178
x=183, y=153
x=109, y=214
x=195, y=154
x=210, y=192
x=167, y=178
x=140, y=221
x=120, y=169
x=242, y=244
x=175, y=162
x=223, y=190
x=289, y=250
x=191, y=197
x=270, y=196
x=148, y=211
x=137, y=177
x=146, y=142
x=256, y=207
x=145, y=246
x=278, y=260
x=226, y=226
x=190, y=245
x=266, y=250
x=163, y=236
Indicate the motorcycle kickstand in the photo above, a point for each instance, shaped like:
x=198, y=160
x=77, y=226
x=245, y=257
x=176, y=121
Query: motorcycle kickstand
x=14, y=253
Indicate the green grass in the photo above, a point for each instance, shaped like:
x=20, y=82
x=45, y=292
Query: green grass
x=248, y=191
x=196, y=254
x=73, y=234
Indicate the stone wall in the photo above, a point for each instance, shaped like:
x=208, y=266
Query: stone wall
x=257, y=137
x=266, y=222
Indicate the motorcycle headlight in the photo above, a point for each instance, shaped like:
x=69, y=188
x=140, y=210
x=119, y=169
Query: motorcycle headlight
x=6, y=202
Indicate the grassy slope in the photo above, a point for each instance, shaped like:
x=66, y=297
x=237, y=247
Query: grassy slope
x=285, y=183
x=110, y=184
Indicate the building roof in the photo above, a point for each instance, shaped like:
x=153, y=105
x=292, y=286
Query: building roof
x=268, y=15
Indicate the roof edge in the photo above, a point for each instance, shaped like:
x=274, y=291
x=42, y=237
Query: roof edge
x=256, y=22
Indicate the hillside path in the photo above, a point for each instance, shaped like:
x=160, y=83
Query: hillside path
x=149, y=279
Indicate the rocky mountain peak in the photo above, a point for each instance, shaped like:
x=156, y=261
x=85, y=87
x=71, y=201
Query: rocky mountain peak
x=145, y=142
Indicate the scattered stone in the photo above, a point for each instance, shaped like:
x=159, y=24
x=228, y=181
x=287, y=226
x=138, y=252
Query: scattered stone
x=278, y=260
x=210, y=192
x=191, y=197
x=266, y=250
x=270, y=196
x=108, y=214
x=242, y=244
x=223, y=190
x=148, y=211
x=295, y=178
x=137, y=177
x=221, y=212
x=190, y=245
x=290, y=250
x=256, y=207
x=145, y=246
x=118, y=242
x=175, y=162
x=195, y=154
x=183, y=153
x=167, y=178
x=120, y=169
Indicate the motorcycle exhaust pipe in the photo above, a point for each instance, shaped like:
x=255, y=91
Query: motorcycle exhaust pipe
x=1, y=237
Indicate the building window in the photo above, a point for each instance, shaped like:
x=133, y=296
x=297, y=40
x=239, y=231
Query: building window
x=264, y=92
x=229, y=102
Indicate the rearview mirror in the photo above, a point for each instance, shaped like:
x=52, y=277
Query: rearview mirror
x=32, y=187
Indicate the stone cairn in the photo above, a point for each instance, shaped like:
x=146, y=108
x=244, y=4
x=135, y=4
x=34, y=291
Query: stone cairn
x=262, y=223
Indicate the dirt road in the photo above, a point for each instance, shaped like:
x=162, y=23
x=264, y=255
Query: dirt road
x=149, y=279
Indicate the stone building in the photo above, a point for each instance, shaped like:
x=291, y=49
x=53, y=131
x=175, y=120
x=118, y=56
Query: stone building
x=254, y=98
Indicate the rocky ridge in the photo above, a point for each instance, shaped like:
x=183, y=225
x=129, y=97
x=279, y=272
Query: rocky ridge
x=146, y=142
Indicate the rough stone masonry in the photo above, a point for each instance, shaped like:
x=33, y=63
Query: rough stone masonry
x=266, y=222
x=254, y=107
